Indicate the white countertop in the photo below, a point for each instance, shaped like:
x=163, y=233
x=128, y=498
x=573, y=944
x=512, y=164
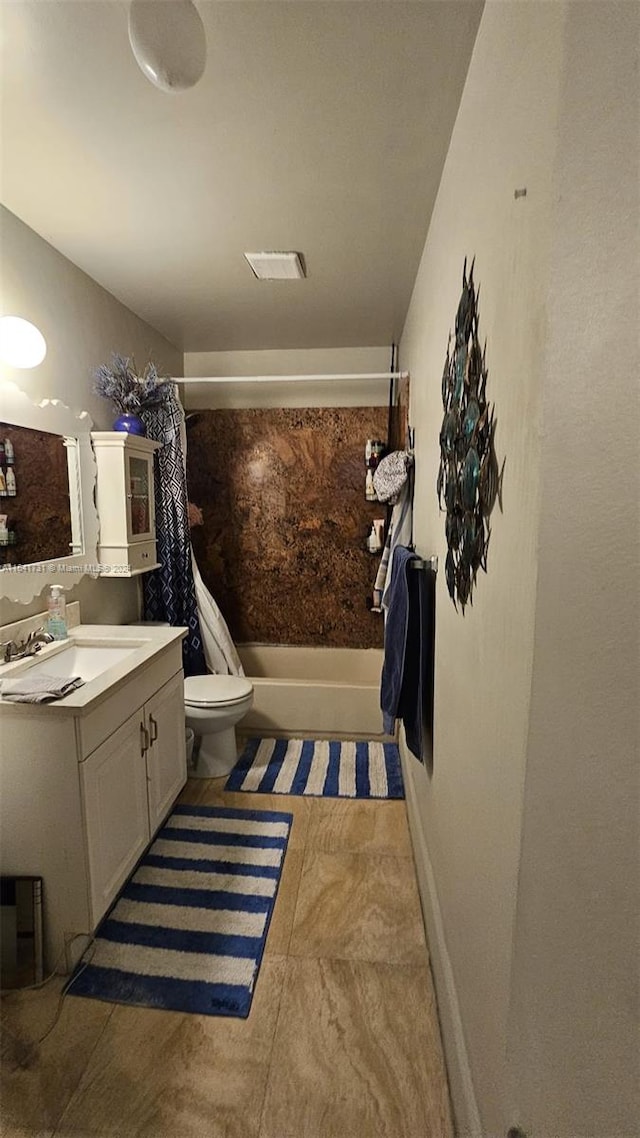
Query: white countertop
x=147, y=640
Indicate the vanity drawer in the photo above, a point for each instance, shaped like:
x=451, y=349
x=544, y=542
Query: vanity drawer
x=125, y=560
x=107, y=717
x=142, y=556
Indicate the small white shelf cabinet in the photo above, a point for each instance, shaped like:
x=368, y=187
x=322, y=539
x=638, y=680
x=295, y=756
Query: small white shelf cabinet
x=125, y=503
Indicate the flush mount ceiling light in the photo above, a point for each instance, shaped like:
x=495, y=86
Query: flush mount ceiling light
x=21, y=343
x=277, y=266
x=168, y=40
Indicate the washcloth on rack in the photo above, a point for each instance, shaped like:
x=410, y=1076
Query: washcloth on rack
x=39, y=689
x=406, y=682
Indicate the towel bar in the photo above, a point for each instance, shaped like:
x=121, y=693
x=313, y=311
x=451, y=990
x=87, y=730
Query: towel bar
x=428, y=563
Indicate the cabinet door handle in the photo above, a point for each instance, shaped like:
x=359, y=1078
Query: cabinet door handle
x=154, y=728
x=144, y=739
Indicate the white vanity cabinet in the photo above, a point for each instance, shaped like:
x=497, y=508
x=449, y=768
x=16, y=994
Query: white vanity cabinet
x=85, y=788
x=129, y=784
x=165, y=755
x=113, y=781
x=125, y=503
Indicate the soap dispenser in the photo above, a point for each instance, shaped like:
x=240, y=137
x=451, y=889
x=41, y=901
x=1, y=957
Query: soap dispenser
x=57, y=607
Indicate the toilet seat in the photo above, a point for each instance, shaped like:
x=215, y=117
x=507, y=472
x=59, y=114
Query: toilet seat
x=209, y=691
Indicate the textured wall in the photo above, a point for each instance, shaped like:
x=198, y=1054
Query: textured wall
x=528, y=830
x=470, y=810
x=573, y=1040
x=82, y=324
x=283, y=546
x=40, y=509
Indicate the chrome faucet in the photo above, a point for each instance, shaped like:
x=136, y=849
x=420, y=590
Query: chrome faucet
x=13, y=650
x=36, y=639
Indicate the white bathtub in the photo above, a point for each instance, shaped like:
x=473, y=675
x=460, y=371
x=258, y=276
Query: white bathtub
x=315, y=691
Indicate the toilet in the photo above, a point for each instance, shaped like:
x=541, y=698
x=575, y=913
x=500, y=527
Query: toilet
x=213, y=705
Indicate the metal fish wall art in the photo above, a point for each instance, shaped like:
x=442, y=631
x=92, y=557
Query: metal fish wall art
x=469, y=478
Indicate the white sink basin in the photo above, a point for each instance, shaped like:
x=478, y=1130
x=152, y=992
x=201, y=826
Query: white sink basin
x=86, y=660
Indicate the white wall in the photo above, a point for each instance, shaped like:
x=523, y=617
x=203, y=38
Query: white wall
x=532, y=685
x=301, y=361
x=82, y=324
x=470, y=810
x=573, y=1037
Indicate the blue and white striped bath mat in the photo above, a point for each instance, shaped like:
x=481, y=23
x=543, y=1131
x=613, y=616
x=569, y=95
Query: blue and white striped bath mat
x=189, y=928
x=322, y=767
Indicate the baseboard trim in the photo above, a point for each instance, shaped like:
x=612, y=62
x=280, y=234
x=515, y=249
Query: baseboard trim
x=463, y=1098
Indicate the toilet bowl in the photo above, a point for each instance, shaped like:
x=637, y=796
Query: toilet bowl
x=213, y=705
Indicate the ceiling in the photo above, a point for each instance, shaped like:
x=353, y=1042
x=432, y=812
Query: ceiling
x=320, y=127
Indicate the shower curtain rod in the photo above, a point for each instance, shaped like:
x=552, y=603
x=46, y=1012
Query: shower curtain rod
x=287, y=378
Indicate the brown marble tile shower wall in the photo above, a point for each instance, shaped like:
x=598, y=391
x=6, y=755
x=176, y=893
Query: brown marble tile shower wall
x=283, y=545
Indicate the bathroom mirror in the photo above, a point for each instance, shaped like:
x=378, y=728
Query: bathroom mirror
x=48, y=519
x=35, y=495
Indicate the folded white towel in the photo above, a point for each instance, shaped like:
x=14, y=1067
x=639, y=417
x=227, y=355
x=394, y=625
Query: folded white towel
x=39, y=689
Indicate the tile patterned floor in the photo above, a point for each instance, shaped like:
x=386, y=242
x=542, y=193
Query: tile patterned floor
x=342, y=1040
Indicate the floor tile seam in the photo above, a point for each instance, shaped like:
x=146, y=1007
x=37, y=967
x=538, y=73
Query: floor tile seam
x=83, y=1072
x=272, y=1048
x=409, y=969
x=360, y=960
x=297, y=903
x=267, y=953
x=362, y=853
x=381, y=853
x=363, y=960
x=307, y=867
x=297, y=847
x=309, y=852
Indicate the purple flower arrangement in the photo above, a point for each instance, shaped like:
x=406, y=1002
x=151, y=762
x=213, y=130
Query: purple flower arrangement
x=129, y=392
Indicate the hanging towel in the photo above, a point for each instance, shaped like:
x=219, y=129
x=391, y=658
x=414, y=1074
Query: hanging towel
x=39, y=689
x=395, y=637
x=400, y=530
x=406, y=690
x=417, y=673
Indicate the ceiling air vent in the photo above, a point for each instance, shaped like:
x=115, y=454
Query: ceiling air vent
x=277, y=266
